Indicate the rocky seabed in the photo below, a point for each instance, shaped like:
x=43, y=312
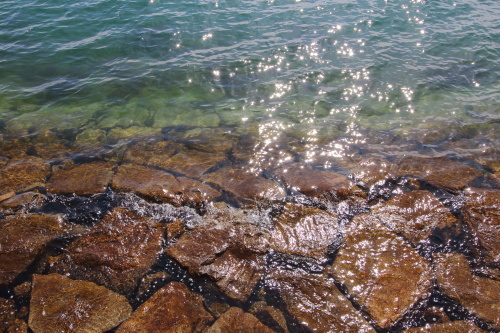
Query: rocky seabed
x=189, y=231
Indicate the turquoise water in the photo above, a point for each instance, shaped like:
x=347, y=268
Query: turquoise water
x=309, y=69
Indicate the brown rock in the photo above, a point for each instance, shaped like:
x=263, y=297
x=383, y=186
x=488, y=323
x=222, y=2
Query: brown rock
x=7, y=313
x=244, y=184
x=59, y=304
x=23, y=237
x=481, y=211
x=175, y=229
x=381, y=272
x=459, y=326
x=193, y=163
x=150, y=284
x=316, y=183
x=85, y=179
x=23, y=202
x=152, y=151
x=480, y=296
x=415, y=215
x=269, y=316
x=235, y=320
x=316, y=302
x=171, y=309
x=115, y=253
x=370, y=170
x=23, y=175
x=441, y=172
x=304, y=231
x=213, y=140
x=19, y=326
x=160, y=185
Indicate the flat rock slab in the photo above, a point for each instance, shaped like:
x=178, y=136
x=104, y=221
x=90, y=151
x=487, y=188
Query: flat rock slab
x=173, y=308
x=316, y=302
x=415, y=215
x=193, y=163
x=60, y=304
x=480, y=296
x=459, y=326
x=23, y=175
x=161, y=186
x=244, y=184
x=24, y=236
x=381, y=272
x=316, y=183
x=85, y=179
x=115, y=253
x=304, y=231
x=481, y=211
x=235, y=320
x=152, y=151
x=442, y=172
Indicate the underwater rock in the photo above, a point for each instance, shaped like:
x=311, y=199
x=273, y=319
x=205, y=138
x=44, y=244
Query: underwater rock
x=381, y=272
x=369, y=170
x=459, y=326
x=7, y=315
x=173, y=308
x=415, y=215
x=480, y=296
x=114, y=253
x=160, y=185
x=304, y=231
x=193, y=163
x=84, y=179
x=235, y=320
x=481, y=212
x=118, y=133
x=23, y=237
x=22, y=202
x=151, y=151
x=212, y=140
x=244, y=184
x=441, y=172
x=60, y=304
x=269, y=316
x=23, y=175
x=316, y=183
x=316, y=302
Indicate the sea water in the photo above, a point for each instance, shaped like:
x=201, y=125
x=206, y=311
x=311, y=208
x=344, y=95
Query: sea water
x=307, y=69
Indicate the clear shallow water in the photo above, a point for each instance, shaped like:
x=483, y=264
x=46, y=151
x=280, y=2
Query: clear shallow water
x=310, y=69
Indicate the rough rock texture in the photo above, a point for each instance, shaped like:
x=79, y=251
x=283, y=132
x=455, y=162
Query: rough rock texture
x=23, y=237
x=229, y=254
x=115, y=253
x=244, y=184
x=193, y=163
x=459, y=326
x=60, y=304
x=22, y=202
x=415, y=215
x=480, y=296
x=481, y=212
x=173, y=308
x=369, y=169
x=23, y=175
x=316, y=302
x=442, y=172
x=161, y=185
x=235, y=320
x=153, y=151
x=7, y=314
x=381, y=272
x=316, y=183
x=304, y=231
x=85, y=179
x=269, y=316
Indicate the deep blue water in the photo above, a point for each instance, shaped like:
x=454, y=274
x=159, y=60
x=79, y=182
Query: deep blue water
x=307, y=66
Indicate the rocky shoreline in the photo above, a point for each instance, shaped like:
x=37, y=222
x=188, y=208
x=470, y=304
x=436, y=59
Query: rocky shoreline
x=204, y=230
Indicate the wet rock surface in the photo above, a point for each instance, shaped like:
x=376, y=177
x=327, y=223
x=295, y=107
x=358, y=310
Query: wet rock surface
x=173, y=308
x=23, y=175
x=235, y=320
x=60, y=304
x=382, y=273
x=459, y=326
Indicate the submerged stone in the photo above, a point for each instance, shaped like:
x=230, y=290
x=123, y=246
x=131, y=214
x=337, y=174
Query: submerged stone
x=114, y=253
x=23, y=202
x=235, y=320
x=459, y=326
x=316, y=302
x=415, y=215
x=480, y=296
x=7, y=314
x=23, y=175
x=152, y=151
x=304, y=231
x=269, y=316
x=173, y=308
x=481, y=212
x=193, y=163
x=22, y=239
x=60, y=304
x=244, y=185
x=85, y=179
x=381, y=272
